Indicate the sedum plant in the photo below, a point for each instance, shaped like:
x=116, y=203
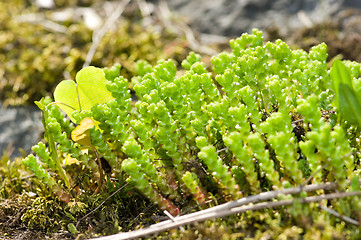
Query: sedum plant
x=261, y=118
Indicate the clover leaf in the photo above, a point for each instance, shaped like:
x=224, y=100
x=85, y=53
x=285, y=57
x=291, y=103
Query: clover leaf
x=88, y=89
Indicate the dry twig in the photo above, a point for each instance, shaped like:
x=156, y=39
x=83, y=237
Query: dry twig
x=181, y=27
x=98, y=35
x=92, y=211
x=38, y=18
x=336, y=214
x=241, y=205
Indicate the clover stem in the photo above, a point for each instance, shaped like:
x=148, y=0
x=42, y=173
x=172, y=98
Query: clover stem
x=101, y=176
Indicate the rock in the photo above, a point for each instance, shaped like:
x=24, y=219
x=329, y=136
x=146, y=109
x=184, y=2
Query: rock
x=232, y=18
x=20, y=127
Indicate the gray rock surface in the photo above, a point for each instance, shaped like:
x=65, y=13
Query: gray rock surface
x=20, y=127
x=234, y=17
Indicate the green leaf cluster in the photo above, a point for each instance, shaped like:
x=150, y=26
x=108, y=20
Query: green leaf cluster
x=259, y=119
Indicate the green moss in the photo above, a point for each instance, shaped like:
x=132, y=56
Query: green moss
x=10, y=172
x=44, y=214
x=34, y=59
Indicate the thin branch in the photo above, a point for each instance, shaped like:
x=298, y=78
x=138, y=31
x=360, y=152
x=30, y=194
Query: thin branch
x=271, y=204
x=101, y=171
x=342, y=217
x=207, y=38
x=24, y=178
x=98, y=35
x=144, y=8
x=301, y=120
x=319, y=168
x=236, y=207
x=166, y=18
x=222, y=150
x=172, y=219
x=37, y=18
x=270, y=195
x=297, y=121
x=92, y=211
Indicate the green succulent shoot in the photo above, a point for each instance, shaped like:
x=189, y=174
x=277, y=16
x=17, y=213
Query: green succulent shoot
x=256, y=121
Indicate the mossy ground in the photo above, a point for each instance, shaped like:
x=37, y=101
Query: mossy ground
x=29, y=211
x=27, y=215
x=36, y=58
x=41, y=60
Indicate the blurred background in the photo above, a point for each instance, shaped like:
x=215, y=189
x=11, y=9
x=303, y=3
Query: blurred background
x=45, y=41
